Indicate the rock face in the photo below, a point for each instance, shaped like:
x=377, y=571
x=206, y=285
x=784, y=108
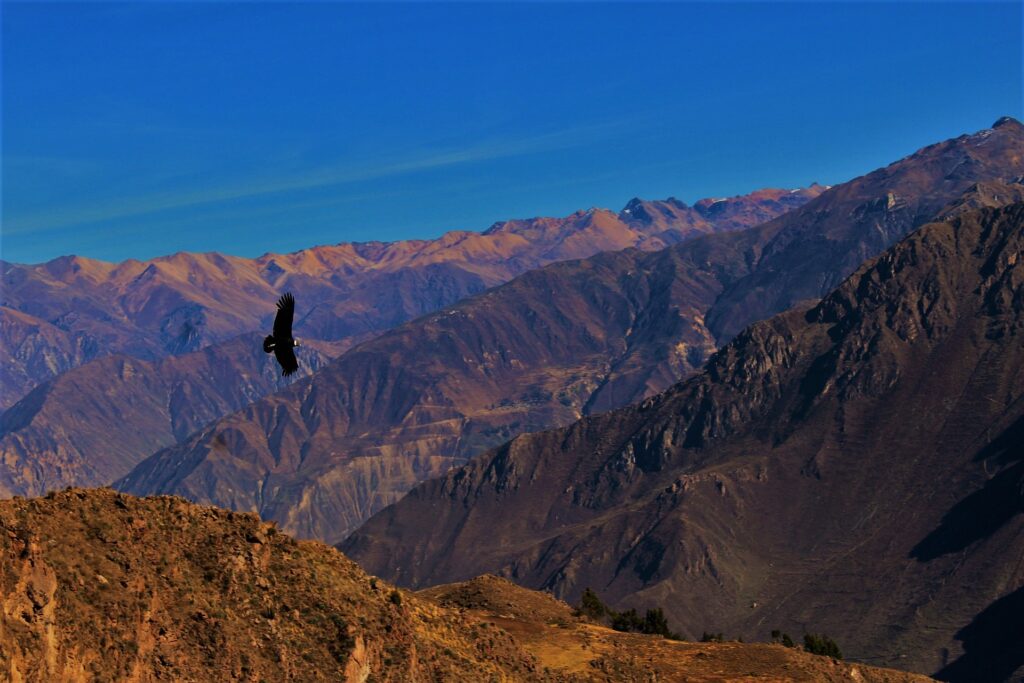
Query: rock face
x=853, y=468
x=806, y=255
x=100, y=586
x=59, y=314
x=32, y=349
x=95, y=422
x=570, y=339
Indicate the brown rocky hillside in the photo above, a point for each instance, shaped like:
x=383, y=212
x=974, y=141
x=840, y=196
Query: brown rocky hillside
x=576, y=647
x=855, y=467
x=99, y=586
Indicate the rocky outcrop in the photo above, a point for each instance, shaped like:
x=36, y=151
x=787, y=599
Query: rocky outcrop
x=102, y=586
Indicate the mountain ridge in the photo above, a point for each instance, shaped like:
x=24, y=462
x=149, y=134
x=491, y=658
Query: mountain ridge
x=81, y=308
x=848, y=467
x=573, y=338
x=89, y=425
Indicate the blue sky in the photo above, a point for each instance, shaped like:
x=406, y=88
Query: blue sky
x=134, y=130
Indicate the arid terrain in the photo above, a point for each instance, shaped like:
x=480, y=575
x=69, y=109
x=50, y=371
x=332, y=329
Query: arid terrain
x=512, y=342
x=101, y=586
x=557, y=343
x=96, y=420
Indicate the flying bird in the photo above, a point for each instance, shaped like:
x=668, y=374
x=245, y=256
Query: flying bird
x=281, y=342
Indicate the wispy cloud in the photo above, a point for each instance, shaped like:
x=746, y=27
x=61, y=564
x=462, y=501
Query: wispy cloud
x=322, y=177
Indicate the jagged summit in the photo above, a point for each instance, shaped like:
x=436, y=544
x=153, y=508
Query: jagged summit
x=1007, y=121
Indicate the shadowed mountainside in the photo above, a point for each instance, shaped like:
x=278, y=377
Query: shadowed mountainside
x=96, y=585
x=59, y=314
x=570, y=339
x=854, y=468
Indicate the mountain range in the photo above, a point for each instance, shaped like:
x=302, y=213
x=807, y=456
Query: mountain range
x=855, y=466
x=794, y=411
x=559, y=342
x=91, y=424
x=57, y=315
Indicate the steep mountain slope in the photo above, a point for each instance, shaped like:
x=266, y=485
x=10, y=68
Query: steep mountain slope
x=570, y=339
x=95, y=422
x=183, y=302
x=100, y=586
x=855, y=468
x=31, y=348
x=324, y=454
x=807, y=257
x=83, y=436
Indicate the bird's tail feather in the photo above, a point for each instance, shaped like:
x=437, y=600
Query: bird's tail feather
x=268, y=343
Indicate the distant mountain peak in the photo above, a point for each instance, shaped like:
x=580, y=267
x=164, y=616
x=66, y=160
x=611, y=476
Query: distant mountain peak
x=1007, y=121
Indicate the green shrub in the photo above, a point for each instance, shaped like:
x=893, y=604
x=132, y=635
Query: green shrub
x=822, y=645
x=655, y=623
x=591, y=606
x=780, y=637
x=627, y=621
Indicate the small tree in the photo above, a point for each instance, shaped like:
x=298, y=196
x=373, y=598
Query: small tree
x=591, y=605
x=822, y=645
x=656, y=623
x=780, y=637
x=627, y=621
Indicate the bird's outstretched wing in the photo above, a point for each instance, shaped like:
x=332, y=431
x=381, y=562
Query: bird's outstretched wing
x=286, y=357
x=283, y=319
